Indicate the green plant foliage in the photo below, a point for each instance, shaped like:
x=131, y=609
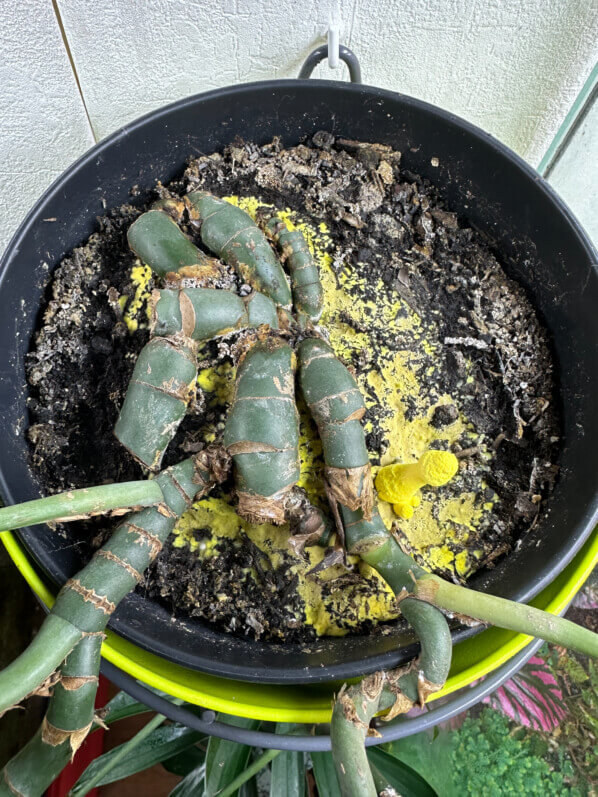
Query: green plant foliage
x=162, y=743
x=578, y=733
x=488, y=759
x=249, y=789
x=403, y=778
x=325, y=775
x=122, y=706
x=187, y=761
x=430, y=755
x=288, y=770
x=191, y=785
x=225, y=760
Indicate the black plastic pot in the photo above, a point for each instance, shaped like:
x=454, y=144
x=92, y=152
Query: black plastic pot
x=544, y=248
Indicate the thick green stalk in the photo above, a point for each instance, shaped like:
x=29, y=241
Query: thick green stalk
x=370, y=540
x=262, y=431
x=159, y=242
x=161, y=387
x=308, y=295
x=67, y=722
x=397, y=690
x=77, y=504
x=205, y=313
x=353, y=711
x=86, y=602
x=504, y=613
x=232, y=234
x=52, y=643
x=337, y=407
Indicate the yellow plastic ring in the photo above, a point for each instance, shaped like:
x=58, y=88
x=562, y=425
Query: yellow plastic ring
x=472, y=658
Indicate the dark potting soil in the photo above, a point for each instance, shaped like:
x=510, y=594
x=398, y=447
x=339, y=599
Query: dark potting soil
x=384, y=223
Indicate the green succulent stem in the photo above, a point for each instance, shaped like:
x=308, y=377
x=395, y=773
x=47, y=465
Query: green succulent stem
x=232, y=234
x=68, y=720
x=337, y=406
x=262, y=431
x=161, y=387
x=83, y=503
x=422, y=596
x=86, y=602
x=308, y=294
x=52, y=643
x=396, y=690
x=159, y=242
x=205, y=313
x=503, y=613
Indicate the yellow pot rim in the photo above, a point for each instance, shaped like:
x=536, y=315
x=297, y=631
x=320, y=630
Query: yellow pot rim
x=472, y=658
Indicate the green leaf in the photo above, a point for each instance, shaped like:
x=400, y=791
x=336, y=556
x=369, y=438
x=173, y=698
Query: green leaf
x=399, y=775
x=162, y=743
x=122, y=706
x=325, y=775
x=186, y=761
x=430, y=756
x=191, y=786
x=249, y=788
x=288, y=769
x=225, y=760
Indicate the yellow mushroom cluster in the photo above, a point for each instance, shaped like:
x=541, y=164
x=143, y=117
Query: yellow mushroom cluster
x=400, y=484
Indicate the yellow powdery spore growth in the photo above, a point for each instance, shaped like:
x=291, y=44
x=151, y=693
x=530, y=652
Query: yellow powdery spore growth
x=219, y=516
x=140, y=278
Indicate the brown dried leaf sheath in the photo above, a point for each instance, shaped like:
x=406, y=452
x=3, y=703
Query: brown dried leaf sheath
x=264, y=509
x=55, y=736
x=100, y=602
x=353, y=487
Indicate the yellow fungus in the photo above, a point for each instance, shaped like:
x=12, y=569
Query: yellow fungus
x=140, y=277
x=399, y=484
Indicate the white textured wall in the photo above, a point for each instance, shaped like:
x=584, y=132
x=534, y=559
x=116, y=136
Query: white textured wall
x=43, y=126
x=511, y=66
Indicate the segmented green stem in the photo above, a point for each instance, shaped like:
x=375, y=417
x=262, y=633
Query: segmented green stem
x=232, y=234
x=76, y=504
x=337, y=407
x=308, y=295
x=505, y=614
x=399, y=689
x=204, y=313
x=355, y=708
x=158, y=241
x=67, y=722
x=161, y=387
x=86, y=602
x=262, y=431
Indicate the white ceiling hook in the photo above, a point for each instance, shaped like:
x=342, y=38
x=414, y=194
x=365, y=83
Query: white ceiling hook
x=333, y=40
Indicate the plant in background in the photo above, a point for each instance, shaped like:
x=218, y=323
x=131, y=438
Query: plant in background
x=579, y=729
x=532, y=697
x=487, y=754
x=488, y=758
x=261, y=439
